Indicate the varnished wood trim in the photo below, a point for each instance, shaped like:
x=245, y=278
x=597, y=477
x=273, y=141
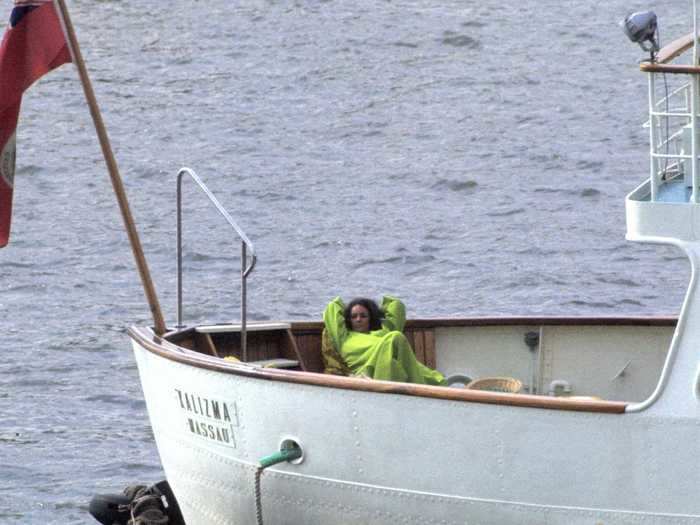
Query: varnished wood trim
x=316, y=326
x=675, y=69
x=674, y=49
x=293, y=342
x=429, y=340
x=159, y=346
x=209, y=344
x=418, y=346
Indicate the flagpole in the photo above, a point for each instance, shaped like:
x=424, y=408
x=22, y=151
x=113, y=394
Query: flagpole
x=147, y=282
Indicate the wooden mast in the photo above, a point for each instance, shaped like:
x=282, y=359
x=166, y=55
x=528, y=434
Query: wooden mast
x=147, y=282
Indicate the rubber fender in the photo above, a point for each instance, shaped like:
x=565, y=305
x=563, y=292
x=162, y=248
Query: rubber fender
x=173, y=508
x=110, y=509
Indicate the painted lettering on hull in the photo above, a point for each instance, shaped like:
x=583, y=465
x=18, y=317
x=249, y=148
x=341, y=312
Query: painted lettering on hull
x=221, y=434
x=212, y=419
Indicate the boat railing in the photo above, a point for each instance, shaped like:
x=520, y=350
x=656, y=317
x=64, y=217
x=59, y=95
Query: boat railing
x=248, y=257
x=674, y=91
x=669, y=131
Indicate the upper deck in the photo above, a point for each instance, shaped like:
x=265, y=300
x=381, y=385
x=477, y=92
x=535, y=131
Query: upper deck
x=664, y=207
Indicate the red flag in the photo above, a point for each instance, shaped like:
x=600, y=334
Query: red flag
x=32, y=46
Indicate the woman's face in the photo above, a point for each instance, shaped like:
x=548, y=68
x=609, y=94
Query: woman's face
x=359, y=318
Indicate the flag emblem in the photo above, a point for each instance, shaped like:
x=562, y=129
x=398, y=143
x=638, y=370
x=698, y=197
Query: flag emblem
x=7, y=162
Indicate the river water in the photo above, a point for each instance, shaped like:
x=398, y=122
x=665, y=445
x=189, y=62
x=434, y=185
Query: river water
x=469, y=157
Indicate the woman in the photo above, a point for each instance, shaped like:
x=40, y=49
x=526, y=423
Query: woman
x=371, y=341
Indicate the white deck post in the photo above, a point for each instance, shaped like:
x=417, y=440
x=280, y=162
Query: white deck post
x=693, y=111
x=652, y=139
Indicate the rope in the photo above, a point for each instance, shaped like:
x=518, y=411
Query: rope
x=146, y=507
x=258, y=496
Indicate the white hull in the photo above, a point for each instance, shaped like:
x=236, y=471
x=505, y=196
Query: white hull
x=385, y=458
x=385, y=453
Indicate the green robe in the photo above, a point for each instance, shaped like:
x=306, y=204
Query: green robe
x=380, y=354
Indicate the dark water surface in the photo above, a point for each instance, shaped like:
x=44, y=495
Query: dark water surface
x=470, y=157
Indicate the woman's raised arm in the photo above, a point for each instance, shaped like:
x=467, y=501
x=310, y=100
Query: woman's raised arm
x=334, y=320
x=394, y=313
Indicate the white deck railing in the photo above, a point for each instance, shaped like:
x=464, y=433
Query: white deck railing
x=673, y=116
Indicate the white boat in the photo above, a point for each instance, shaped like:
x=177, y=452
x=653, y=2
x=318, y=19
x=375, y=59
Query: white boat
x=606, y=428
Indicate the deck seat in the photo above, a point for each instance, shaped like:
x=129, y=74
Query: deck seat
x=275, y=363
x=496, y=384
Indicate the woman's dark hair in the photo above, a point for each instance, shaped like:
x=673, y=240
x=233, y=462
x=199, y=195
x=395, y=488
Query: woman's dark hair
x=375, y=313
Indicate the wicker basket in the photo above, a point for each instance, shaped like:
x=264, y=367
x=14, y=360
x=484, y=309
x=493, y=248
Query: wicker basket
x=496, y=384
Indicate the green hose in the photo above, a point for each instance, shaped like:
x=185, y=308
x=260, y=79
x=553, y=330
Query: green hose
x=286, y=454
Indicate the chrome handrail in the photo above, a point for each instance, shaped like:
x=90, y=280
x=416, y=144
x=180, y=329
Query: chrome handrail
x=245, y=245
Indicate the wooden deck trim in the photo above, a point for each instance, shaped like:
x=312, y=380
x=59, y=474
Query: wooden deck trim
x=448, y=322
x=422, y=340
x=429, y=341
x=674, y=69
x=293, y=343
x=159, y=346
x=208, y=344
x=674, y=49
x=418, y=343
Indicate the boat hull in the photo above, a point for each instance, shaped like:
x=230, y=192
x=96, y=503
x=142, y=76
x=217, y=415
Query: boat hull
x=372, y=457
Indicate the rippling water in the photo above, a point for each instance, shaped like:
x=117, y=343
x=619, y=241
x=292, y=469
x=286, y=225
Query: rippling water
x=472, y=158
